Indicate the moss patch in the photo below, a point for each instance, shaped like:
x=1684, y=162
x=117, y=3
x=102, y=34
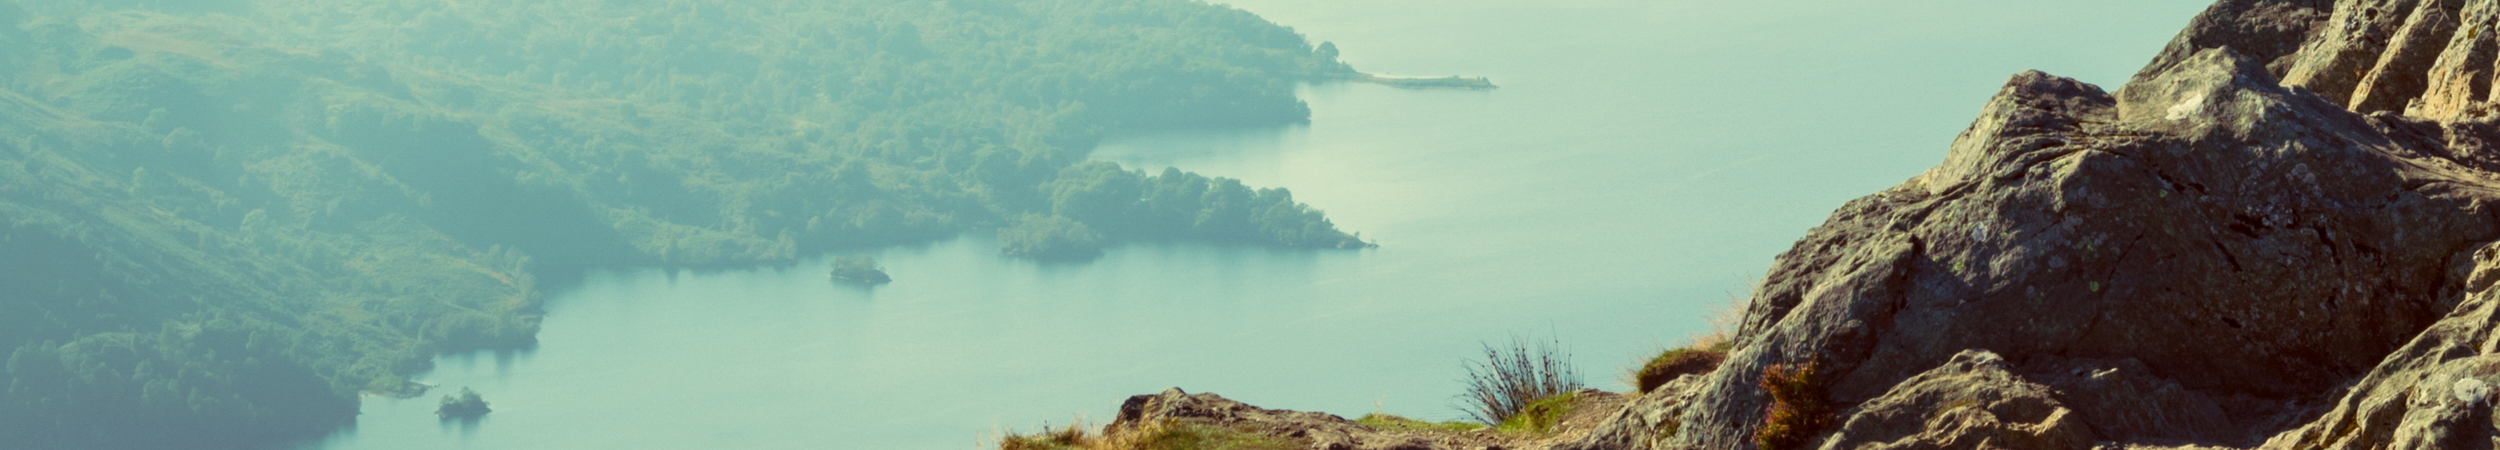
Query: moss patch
x=1542, y=415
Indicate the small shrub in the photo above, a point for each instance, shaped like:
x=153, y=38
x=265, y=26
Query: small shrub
x=1799, y=410
x=1675, y=363
x=1509, y=379
x=1385, y=422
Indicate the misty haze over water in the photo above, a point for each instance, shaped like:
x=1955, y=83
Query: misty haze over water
x=1641, y=160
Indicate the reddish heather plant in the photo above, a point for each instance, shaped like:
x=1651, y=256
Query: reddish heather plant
x=1798, y=409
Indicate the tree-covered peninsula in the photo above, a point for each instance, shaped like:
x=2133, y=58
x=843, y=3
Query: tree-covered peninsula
x=222, y=220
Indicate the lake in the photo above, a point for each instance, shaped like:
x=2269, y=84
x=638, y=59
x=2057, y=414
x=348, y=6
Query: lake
x=1642, y=161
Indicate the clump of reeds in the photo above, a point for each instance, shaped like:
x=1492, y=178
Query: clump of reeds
x=1509, y=379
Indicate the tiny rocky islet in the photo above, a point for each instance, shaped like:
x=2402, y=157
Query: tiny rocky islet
x=860, y=270
x=467, y=405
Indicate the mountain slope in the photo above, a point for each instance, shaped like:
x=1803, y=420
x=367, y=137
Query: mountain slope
x=221, y=221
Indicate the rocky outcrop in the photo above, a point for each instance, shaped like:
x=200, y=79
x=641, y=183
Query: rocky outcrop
x=2251, y=243
x=1971, y=402
x=1322, y=431
x=2278, y=234
x=1319, y=430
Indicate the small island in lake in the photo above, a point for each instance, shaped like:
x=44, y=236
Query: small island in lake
x=1449, y=82
x=861, y=269
x=468, y=405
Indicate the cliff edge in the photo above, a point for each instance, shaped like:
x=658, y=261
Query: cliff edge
x=2280, y=234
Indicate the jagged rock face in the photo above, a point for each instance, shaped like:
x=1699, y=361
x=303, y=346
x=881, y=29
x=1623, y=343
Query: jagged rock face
x=2427, y=58
x=2265, y=238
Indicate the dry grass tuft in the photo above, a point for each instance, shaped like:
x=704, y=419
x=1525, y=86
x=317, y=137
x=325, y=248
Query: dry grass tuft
x=1701, y=352
x=1073, y=436
x=1725, y=317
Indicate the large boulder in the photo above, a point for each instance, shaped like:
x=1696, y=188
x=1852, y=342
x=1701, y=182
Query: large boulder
x=2266, y=238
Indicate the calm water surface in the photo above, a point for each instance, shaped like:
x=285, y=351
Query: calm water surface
x=1643, y=159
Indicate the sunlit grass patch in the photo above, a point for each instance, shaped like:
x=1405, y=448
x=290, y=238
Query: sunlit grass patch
x=1387, y=422
x=1162, y=435
x=1540, y=416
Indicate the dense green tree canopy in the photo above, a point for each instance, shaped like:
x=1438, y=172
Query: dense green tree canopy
x=1050, y=238
x=227, y=218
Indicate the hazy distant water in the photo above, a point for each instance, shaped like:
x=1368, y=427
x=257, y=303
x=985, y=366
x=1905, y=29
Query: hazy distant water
x=1642, y=160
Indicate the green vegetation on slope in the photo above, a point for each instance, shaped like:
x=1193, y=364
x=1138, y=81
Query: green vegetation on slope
x=223, y=219
x=1049, y=238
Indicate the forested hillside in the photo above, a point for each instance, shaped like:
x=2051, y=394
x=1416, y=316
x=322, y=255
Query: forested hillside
x=224, y=219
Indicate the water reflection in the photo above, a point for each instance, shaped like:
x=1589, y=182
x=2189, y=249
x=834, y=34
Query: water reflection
x=857, y=287
x=466, y=427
